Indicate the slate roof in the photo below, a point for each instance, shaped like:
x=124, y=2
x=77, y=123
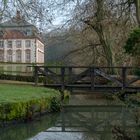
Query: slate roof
x=17, y=21
x=11, y=29
x=14, y=23
x=16, y=34
x=13, y=34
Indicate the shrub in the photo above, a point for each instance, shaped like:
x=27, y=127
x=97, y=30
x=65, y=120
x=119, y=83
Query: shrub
x=132, y=46
x=55, y=104
x=137, y=72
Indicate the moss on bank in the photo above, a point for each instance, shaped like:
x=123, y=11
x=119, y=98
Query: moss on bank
x=24, y=102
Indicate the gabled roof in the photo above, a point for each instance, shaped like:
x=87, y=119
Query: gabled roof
x=17, y=21
x=11, y=29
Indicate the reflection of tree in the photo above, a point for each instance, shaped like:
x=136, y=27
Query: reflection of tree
x=132, y=102
x=120, y=134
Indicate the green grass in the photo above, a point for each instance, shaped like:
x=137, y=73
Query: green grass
x=13, y=93
x=23, y=102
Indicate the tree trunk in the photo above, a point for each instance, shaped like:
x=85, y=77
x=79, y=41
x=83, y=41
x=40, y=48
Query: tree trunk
x=100, y=31
x=137, y=4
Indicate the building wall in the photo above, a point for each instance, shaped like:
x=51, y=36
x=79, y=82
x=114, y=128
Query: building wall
x=39, y=52
x=36, y=50
x=23, y=50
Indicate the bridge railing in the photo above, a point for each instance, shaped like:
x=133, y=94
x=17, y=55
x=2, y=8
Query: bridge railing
x=88, y=77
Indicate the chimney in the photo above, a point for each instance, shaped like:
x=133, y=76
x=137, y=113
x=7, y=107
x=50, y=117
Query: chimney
x=18, y=16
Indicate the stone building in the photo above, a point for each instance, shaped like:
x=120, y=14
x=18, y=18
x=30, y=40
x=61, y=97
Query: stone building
x=20, y=42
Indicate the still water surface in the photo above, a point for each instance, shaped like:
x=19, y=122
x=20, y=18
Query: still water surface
x=95, y=121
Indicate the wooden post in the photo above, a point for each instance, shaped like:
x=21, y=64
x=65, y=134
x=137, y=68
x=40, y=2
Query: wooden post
x=92, y=74
x=46, y=76
x=36, y=75
x=63, y=119
x=70, y=77
x=62, y=82
x=124, y=77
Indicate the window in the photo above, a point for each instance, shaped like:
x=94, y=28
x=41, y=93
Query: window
x=28, y=56
x=1, y=44
x=1, y=55
x=9, y=44
x=18, y=43
x=28, y=43
x=18, y=56
x=28, y=32
x=9, y=55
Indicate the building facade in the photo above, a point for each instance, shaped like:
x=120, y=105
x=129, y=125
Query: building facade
x=20, y=42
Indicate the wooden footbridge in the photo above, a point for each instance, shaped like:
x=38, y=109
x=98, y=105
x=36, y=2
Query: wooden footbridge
x=89, y=78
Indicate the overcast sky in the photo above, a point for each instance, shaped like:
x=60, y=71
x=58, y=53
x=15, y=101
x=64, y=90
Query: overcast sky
x=53, y=10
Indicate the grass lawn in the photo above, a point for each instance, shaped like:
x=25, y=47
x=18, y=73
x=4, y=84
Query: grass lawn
x=23, y=102
x=13, y=93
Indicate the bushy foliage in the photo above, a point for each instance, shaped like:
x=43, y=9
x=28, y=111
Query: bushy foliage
x=55, y=104
x=132, y=46
x=137, y=72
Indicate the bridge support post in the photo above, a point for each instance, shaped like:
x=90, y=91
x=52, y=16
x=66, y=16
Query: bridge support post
x=92, y=74
x=70, y=77
x=62, y=82
x=124, y=69
x=63, y=119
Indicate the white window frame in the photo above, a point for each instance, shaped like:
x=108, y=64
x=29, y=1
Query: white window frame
x=1, y=43
x=9, y=56
x=28, y=55
x=9, y=44
x=27, y=43
x=18, y=43
x=18, y=57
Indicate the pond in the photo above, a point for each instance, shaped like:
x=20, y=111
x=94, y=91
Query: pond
x=86, y=117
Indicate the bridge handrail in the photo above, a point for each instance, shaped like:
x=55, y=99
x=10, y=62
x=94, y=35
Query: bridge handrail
x=118, y=67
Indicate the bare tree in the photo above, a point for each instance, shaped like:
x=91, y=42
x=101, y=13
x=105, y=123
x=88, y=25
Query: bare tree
x=137, y=4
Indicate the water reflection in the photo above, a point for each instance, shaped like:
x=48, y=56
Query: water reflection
x=91, y=122
x=26, y=130
x=16, y=69
x=85, y=118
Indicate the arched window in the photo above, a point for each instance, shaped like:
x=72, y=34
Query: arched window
x=1, y=44
x=28, y=56
x=18, y=56
x=9, y=56
x=1, y=55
